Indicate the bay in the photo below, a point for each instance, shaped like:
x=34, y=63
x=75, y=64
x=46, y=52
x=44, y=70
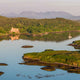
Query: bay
x=11, y=53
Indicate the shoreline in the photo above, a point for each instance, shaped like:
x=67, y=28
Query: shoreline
x=39, y=34
x=46, y=33
x=50, y=64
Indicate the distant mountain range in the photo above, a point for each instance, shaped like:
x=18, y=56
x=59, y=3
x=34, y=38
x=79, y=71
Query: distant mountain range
x=42, y=15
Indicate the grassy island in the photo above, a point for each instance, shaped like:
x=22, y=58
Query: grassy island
x=69, y=60
x=67, y=57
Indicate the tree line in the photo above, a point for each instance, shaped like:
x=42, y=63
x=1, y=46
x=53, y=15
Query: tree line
x=26, y=25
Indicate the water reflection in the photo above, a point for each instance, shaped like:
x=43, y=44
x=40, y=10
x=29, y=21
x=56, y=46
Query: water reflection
x=49, y=37
x=16, y=37
x=39, y=76
x=52, y=36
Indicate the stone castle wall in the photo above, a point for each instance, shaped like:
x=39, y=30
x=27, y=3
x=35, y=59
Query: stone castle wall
x=16, y=30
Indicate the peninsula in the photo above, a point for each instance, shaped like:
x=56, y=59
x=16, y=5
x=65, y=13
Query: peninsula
x=68, y=60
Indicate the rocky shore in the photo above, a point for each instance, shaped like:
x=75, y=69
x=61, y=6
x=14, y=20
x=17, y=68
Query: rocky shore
x=75, y=44
x=51, y=66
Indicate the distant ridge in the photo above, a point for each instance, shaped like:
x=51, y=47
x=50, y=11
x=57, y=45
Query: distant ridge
x=43, y=15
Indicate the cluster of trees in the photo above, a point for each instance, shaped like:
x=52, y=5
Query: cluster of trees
x=26, y=25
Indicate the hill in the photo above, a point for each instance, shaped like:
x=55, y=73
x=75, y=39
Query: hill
x=43, y=15
x=36, y=26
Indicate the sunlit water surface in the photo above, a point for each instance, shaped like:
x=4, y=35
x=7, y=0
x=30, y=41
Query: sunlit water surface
x=11, y=53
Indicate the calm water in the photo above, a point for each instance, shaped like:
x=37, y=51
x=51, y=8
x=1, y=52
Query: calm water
x=11, y=53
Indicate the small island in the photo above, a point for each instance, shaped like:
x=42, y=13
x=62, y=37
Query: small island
x=67, y=60
x=27, y=46
x=3, y=64
x=1, y=73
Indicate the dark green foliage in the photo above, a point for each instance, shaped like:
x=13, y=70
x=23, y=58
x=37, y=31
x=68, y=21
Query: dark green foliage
x=38, y=25
x=2, y=30
x=76, y=44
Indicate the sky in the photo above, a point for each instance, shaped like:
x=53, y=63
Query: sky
x=17, y=6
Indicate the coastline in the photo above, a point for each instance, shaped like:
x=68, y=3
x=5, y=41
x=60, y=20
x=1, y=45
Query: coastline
x=38, y=34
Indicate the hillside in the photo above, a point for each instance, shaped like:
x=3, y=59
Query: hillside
x=43, y=15
x=35, y=26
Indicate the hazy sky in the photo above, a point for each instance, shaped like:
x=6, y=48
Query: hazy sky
x=17, y=6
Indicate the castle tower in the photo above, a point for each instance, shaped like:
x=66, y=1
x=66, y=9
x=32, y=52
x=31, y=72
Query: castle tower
x=15, y=30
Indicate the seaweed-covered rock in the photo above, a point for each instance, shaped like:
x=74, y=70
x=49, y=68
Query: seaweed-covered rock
x=27, y=46
x=3, y=64
x=1, y=73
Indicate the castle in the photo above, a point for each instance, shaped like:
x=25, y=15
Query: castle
x=16, y=30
